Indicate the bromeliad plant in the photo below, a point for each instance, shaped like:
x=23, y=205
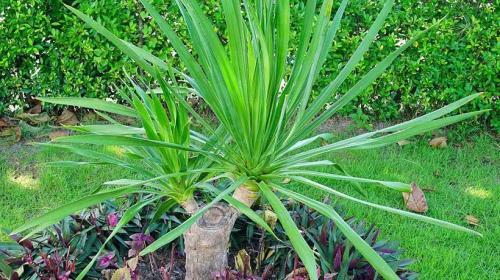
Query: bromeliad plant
x=262, y=95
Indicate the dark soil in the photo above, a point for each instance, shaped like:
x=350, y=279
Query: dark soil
x=163, y=265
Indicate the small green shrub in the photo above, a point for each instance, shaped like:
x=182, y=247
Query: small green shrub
x=45, y=51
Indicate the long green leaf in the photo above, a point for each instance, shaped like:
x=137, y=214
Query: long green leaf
x=366, y=250
x=91, y=103
x=299, y=244
x=121, y=141
x=353, y=60
x=60, y=213
x=108, y=129
x=422, y=218
x=399, y=186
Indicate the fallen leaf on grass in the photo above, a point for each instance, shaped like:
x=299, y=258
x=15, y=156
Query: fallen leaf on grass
x=67, y=118
x=58, y=133
x=403, y=142
x=471, y=220
x=415, y=200
x=438, y=142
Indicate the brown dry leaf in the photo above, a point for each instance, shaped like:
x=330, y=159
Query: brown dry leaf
x=67, y=118
x=270, y=218
x=122, y=274
x=124, y=120
x=242, y=261
x=471, y=220
x=37, y=109
x=438, y=142
x=32, y=101
x=415, y=200
x=299, y=272
x=58, y=133
x=90, y=117
x=330, y=276
x=10, y=134
x=4, y=122
x=403, y=142
x=132, y=263
x=34, y=119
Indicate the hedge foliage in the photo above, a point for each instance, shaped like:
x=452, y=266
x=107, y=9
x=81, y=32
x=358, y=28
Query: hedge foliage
x=45, y=50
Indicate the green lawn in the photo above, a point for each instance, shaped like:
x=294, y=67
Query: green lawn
x=464, y=180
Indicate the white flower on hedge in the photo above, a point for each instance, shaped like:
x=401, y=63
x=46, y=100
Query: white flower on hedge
x=13, y=108
x=400, y=42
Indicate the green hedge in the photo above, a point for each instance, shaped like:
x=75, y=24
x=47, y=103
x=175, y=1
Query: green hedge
x=45, y=50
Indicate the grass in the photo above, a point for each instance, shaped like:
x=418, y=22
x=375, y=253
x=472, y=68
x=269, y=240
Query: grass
x=462, y=179
x=28, y=187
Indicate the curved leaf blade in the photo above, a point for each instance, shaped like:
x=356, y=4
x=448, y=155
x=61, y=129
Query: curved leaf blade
x=299, y=244
x=91, y=103
x=61, y=212
x=422, y=218
x=366, y=250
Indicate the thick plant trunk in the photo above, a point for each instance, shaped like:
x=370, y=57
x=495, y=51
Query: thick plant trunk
x=206, y=242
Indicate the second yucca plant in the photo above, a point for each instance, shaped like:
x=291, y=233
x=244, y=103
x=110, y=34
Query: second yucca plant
x=262, y=96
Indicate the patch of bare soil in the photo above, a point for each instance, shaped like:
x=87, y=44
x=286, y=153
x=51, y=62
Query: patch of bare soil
x=164, y=265
x=337, y=124
x=346, y=125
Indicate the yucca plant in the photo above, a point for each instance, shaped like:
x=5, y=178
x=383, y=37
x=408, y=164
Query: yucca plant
x=262, y=96
x=170, y=160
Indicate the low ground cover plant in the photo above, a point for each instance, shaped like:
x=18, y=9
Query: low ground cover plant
x=262, y=98
x=63, y=250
